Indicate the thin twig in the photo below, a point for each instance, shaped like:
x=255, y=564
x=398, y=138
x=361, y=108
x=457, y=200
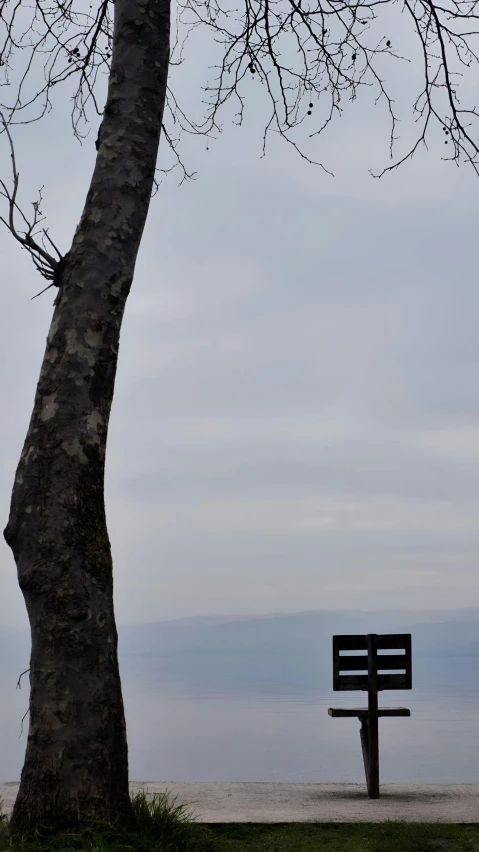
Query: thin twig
x=19, y=685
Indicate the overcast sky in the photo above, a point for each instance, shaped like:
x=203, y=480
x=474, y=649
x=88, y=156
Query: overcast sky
x=295, y=423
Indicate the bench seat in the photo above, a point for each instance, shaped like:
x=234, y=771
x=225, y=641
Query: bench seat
x=363, y=711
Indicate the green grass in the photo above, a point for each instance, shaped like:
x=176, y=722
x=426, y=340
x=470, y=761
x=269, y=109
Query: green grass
x=347, y=837
x=164, y=826
x=160, y=826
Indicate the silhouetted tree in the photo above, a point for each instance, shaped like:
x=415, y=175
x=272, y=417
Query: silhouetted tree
x=309, y=55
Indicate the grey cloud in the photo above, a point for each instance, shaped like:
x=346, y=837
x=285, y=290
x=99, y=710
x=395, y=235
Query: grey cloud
x=293, y=344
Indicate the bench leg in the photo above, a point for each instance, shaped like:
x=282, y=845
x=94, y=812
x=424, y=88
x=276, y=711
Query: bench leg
x=365, y=748
x=369, y=745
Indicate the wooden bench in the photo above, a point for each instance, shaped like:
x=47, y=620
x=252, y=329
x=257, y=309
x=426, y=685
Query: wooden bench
x=375, y=676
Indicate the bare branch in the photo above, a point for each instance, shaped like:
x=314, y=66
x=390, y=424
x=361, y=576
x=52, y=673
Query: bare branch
x=304, y=52
x=19, y=685
x=48, y=266
x=23, y=719
x=309, y=56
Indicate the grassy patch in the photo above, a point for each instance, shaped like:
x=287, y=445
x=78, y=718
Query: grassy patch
x=347, y=837
x=160, y=826
x=164, y=826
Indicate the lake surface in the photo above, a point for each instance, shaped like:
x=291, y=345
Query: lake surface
x=253, y=717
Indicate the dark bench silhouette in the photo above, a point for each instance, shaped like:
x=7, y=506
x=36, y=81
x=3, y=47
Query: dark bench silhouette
x=373, y=680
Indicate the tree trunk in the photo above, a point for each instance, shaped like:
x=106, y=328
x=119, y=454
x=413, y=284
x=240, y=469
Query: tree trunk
x=76, y=763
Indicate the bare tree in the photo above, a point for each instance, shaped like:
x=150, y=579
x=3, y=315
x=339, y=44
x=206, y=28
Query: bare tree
x=307, y=54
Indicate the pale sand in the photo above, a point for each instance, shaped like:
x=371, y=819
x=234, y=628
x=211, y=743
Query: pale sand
x=251, y=801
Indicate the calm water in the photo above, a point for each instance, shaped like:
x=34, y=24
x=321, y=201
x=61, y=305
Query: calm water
x=243, y=718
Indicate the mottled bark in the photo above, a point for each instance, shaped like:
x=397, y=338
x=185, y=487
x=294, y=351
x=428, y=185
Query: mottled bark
x=76, y=764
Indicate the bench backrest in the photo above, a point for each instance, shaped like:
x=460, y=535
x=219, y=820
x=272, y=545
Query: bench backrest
x=398, y=663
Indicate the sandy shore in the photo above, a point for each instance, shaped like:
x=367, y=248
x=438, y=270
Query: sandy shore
x=251, y=801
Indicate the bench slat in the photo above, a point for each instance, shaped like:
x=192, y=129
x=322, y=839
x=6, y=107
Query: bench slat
x=350, y=683
x=360, y=663
x=363, y=711
x=385, y=641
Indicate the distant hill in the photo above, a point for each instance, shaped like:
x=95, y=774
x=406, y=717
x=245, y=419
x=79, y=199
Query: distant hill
x=309, y=630
x=268, y=653
x=470, y=649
